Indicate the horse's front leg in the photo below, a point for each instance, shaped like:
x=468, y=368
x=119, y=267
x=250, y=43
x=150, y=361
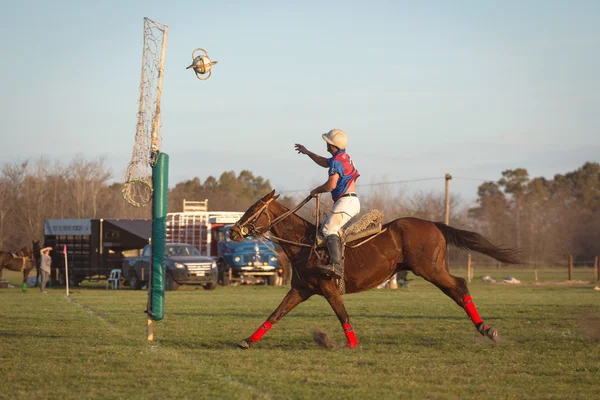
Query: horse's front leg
x=289, y=302
x=26, y=271
x=334, y=298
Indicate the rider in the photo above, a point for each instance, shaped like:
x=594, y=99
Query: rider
x=342, y=185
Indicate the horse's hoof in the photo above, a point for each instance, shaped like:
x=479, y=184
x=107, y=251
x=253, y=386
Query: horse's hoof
x=492, y=333
x=243, y=344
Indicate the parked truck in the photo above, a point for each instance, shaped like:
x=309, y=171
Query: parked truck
x=184, y=266
x=208, y=231
x=250, y=259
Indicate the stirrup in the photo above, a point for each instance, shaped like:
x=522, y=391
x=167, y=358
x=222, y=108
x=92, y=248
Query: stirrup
x=331, y=270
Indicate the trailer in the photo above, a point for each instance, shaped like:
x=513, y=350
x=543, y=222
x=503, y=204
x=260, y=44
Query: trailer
x=208, y=231
x=94, y=246
x=199, y=228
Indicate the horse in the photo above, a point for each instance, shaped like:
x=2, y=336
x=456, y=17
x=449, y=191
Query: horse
x=404, y=244
x=20, y=260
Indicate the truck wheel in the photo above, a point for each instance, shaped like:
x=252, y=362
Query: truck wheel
x=272, y=280
x=210, y=286
x=225, y=278
x=170, y=284
x=134, y=282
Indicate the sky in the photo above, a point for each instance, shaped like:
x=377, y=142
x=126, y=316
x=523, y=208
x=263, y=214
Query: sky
x=422, y=89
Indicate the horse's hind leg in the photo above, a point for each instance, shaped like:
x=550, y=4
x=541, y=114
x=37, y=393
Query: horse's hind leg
x=289, y=302
x=334, y=298
x=25, y=276
x=456, y=288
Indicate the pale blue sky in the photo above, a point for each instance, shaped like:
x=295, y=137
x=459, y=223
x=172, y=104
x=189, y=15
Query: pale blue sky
x=421, y=88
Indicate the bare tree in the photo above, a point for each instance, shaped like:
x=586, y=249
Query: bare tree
x=12, y=181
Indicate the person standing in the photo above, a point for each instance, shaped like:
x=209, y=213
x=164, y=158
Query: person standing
x=45, y=264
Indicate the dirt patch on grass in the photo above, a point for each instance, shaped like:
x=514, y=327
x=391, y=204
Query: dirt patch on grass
x=590, y=327
x=322, y=339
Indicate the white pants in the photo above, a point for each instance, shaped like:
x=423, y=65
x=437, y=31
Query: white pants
x=343, y=210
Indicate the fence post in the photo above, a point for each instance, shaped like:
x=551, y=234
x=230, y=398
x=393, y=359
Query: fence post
x=571, y=267
x=469, y=268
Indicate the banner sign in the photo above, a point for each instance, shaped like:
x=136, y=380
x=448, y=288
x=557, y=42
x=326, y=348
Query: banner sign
x=68, y=227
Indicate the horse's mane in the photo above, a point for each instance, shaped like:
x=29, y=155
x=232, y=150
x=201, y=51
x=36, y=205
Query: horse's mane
x=286, y=209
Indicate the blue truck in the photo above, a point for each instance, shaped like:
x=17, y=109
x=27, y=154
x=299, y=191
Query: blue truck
x=248, y=260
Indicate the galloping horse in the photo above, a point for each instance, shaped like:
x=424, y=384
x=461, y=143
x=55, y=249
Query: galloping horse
x=405, y=244
x=21, y=260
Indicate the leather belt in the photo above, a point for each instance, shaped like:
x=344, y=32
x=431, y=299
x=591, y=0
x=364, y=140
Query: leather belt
x=349, y=195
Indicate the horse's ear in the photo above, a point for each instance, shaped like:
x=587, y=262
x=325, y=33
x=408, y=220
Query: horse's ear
x=269, y=196
x=275, y=197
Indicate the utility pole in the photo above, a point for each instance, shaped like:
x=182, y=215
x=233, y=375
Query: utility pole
x=447, y=216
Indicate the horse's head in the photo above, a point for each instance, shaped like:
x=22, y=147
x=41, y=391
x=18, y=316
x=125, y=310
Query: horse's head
x=255, y=221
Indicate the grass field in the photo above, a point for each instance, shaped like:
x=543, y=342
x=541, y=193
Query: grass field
x=414, y=343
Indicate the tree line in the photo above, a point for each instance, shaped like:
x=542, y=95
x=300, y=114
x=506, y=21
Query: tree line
x=549, y=219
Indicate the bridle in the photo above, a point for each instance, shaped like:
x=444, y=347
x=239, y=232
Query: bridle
x=248, y=227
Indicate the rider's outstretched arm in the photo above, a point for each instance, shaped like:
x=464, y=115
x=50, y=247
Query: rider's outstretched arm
x=322, y=161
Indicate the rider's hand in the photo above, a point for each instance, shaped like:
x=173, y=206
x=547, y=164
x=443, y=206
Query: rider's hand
x=301, y=149
x=314, y=193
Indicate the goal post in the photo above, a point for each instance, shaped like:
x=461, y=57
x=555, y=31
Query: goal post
x=147, y=173
x=156, y=290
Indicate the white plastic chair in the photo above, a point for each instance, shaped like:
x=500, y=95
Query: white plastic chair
x=114, y=278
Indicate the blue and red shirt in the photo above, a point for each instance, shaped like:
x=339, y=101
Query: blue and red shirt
x=341, y=163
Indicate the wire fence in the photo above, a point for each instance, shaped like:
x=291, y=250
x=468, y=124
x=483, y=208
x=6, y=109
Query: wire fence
x=569, y=271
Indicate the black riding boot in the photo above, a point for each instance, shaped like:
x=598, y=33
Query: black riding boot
x=336, y=263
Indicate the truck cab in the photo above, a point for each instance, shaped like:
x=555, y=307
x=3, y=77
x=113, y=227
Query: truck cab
x=249, y=259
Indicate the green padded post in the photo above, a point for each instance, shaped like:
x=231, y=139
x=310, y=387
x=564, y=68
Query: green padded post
x=160, y=183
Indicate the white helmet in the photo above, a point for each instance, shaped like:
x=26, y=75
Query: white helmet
x=337, y=138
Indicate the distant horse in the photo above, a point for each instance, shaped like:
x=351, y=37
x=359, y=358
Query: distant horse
x=405, y=244
x=20, y=260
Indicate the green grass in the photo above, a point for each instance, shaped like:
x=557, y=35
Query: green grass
x=414, y=343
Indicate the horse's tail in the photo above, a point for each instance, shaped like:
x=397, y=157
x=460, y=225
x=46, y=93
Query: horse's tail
x=476, y=242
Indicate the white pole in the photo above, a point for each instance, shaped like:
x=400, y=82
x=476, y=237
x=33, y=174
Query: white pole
x=469, y=268
x=150, y=331
x=66, y=269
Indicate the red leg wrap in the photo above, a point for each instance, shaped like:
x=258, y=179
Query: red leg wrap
x=471, y=310
x=352, y=341
x=256, y=336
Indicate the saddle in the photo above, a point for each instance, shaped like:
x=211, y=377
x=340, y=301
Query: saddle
x=366, y=227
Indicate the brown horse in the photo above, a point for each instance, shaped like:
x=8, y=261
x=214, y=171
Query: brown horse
x=405, y=244
x=21, y=260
